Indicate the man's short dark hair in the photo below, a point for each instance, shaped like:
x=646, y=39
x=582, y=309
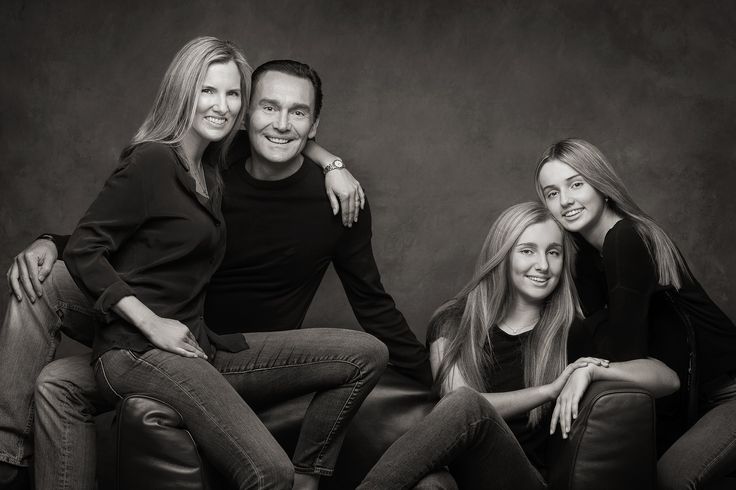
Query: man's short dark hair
x=291, y=67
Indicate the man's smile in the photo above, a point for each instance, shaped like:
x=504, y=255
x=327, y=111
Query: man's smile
x=278, y=140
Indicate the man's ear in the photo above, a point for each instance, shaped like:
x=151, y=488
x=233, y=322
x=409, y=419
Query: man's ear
x=313, y=129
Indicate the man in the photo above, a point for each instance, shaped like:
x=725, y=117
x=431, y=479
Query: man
x=281, y=239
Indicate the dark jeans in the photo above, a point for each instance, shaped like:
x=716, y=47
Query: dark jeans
x=463, y=432
x=707, y=451
x=215, y=399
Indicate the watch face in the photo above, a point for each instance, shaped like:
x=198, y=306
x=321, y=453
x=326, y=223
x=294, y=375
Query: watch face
x=338, y=164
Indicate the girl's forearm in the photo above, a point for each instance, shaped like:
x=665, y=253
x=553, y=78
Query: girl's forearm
x=650, y=374
x=511, y=403
x=135, y=313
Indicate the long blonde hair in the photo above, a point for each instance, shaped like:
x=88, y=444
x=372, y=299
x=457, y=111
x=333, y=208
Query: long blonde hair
x=590, y=163
x=175, y=105
x=466, y=320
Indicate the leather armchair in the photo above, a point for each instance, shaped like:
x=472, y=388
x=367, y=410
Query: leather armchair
x=146, y=444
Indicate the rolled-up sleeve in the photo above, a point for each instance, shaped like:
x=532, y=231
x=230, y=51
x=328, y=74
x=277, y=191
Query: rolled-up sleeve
x=116, y=213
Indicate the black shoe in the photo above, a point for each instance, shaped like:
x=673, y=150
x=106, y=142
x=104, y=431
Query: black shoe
x=13, y=477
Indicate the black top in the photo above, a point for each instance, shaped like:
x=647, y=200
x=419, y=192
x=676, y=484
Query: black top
x=282, y=236
x=149, y=234
x=505, y=375
x=630, y=316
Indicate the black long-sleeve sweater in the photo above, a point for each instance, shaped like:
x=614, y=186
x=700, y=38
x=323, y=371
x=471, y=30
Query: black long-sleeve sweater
x=631, y=316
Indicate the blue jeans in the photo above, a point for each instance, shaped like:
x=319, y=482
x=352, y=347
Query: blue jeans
x=66, y=394
x=66, y=402
x=463, y=432
x=707, y=451
x=215, y=399
x=29, y=336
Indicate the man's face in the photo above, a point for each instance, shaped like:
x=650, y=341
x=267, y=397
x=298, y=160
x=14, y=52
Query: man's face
x=281, y=117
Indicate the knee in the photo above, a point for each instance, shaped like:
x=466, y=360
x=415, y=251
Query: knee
x=58, y=275
x=26, y=314
x=469, y=402
x=372, y=354
x=56, y=390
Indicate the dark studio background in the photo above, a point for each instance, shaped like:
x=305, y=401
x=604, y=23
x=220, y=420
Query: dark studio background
x=440, y=109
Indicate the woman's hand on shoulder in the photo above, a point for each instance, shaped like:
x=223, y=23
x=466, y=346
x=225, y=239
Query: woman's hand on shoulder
x=172, y=336
x=344, y=193
x=568, y=399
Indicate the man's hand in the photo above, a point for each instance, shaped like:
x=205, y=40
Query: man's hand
x=345, y=193
x=30, y=268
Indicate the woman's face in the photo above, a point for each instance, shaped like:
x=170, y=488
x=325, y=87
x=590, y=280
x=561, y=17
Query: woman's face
x=218, y=103
x=536, y=262
x=576, y=204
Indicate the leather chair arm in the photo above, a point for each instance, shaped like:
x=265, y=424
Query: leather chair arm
x=153, y=449
x=611, y=444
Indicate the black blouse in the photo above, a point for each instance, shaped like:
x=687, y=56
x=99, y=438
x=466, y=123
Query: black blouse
x=630, y=316
x=149, y=234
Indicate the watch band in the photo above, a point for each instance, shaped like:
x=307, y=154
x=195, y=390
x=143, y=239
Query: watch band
x=337, y=164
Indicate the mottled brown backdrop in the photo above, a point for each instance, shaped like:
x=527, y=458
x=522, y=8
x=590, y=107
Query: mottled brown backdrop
x=440, y=109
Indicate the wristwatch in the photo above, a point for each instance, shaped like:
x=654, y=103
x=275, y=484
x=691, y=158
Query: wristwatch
x=335, y=165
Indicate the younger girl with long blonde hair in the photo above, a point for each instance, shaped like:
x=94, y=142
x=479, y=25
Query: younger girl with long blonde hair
x=499, y=355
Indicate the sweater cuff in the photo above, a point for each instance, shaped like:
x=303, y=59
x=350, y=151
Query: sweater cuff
x=59, y=241
x=110, y=297
x=232, y=342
